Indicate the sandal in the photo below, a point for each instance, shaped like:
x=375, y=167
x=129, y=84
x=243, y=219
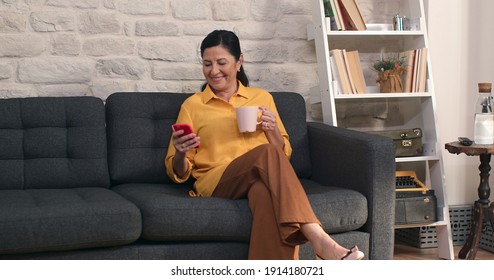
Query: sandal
x=352, y=254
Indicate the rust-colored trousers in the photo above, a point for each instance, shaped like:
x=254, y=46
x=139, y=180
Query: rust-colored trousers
x=276, y=198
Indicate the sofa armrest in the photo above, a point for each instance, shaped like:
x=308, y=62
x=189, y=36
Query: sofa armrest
x=363, y=162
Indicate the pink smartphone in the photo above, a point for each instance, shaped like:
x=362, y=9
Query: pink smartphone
x=185, y=127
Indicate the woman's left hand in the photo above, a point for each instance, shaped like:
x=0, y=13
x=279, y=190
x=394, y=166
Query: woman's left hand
x=268, y=119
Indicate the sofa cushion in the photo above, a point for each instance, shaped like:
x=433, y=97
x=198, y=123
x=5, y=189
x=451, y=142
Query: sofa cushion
x=52, y=142
x=139, y=131
x=291, y=107
x=338, y=210
x=39, y=220
x=169, y=214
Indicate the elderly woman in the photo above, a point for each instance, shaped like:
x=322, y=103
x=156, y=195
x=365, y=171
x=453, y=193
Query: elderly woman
x=229, y=164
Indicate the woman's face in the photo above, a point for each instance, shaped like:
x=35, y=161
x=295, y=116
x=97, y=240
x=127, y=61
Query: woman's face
x=220, y=69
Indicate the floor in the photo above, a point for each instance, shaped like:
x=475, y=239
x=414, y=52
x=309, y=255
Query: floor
x=406, y=252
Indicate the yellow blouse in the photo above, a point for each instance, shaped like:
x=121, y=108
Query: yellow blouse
x=214, y=121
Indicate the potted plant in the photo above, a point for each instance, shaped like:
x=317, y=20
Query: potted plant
x=389, y=71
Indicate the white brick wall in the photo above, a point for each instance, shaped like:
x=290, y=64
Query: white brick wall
x=96, y=47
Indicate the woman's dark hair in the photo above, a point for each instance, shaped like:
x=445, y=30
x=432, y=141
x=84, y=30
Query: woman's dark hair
x=229, y=41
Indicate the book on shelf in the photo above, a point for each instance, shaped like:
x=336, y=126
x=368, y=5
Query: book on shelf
x=351, y=16
x=422, y=78
x=407, y=81
x=347, y=71
x=337, y=14
x=356, y=71
x=329, y=14
x=338, y=69
x=335, y=76
x=416, y=67
x=328, y=11
x=349, y=74
x=416, y=75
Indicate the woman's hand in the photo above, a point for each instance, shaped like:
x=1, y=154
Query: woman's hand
x=270, y=127
x=184, y=143
x=268, y=119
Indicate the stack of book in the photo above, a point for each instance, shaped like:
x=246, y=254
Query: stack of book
x=347, y=72
x=348, y=77
x=416, y=74
x=347, y=15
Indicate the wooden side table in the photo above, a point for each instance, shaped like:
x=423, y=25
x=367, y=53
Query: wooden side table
x=483, y=210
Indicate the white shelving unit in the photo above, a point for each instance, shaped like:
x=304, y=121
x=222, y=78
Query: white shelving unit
x=385, y=111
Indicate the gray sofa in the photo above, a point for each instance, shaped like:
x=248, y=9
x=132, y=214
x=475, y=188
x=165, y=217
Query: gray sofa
x=83, y=179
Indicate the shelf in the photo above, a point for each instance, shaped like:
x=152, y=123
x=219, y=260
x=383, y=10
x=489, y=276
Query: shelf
x=417, y=159
x=373, y=33
x=438, y=223
x=368, y=34
x=375, y=111
x=383, y=95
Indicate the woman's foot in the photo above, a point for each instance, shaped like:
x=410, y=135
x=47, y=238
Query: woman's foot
x=353, y=254
x=327, y=248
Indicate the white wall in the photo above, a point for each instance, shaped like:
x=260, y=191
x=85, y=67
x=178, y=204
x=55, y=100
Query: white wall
x=461, y=45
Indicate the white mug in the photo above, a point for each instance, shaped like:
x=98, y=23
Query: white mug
x=247, y=118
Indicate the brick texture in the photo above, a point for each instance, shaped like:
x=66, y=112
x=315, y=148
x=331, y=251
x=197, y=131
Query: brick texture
x=97, y=47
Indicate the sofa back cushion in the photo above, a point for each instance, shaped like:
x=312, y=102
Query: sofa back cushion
x=139, y=131
x=52, y=142
x=291, y=107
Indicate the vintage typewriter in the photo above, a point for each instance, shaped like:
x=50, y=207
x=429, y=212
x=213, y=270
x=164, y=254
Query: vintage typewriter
x=415, y=203
x=407, y=181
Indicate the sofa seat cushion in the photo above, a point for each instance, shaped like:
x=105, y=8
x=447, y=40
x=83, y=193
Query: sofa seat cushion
x=169, y=214
x=338, y=210
x=39, y=220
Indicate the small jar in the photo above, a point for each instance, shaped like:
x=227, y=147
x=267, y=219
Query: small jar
x=397, y=23
x=484, y=117
x=406, y=23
